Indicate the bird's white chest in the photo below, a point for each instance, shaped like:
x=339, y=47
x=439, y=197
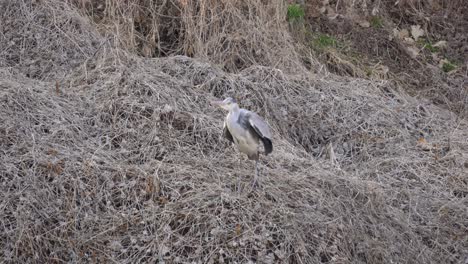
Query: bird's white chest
x=242, y=137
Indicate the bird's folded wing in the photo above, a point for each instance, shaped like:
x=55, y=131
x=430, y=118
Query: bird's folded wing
x=259, y=125
x=262, y=129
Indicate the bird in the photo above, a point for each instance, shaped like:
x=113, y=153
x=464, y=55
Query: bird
x=246, y=129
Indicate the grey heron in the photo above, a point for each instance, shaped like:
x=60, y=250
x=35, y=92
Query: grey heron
x=246, y=129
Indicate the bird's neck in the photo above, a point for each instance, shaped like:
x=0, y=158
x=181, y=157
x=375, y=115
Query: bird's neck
x=234, y=110
x=233, y=114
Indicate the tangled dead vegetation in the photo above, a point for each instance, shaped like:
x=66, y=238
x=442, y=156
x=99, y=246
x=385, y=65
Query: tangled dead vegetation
x=44, y=40
x=231, y=34
x=123, y=160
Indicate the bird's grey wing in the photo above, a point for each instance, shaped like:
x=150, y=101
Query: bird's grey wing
x=226, y=133
x=259, y=125
x=262, y=129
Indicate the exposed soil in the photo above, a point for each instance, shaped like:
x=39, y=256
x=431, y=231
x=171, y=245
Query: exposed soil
x=375, y=44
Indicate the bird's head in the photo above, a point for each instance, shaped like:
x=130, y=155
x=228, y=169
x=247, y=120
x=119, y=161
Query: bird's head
x=227, y=104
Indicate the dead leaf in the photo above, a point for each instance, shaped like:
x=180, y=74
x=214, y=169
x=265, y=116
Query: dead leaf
x=331, y=14
x=409, y=40
x=314, y=12
x=55, y=168
x=364, y=24
x=238, y=229
x=400, y=34
x=442, y=62
x=423, y=144
x=52, y=152
x=412, y=52
x=322, y=10
x=150, y=185
x=416, y=32
x=147, y=50
x=440, y=44
x=163, y=200
x=404, y=33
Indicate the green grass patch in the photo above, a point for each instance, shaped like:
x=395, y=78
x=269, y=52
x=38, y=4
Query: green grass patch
x=431, y=48
x=448, y=67
x=295, y=12
x=426, y=44
x=324, y=41
x=376, y=22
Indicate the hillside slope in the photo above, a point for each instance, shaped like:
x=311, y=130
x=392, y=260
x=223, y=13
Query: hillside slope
x=113, y=157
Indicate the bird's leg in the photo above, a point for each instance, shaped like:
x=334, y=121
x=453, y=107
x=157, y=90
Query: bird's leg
x=238, y=175
x=238, y=183
x=254, y=184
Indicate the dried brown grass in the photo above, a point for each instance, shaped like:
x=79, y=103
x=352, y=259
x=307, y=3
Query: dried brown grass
x=231, y=34
x=38, y=40
x=122, y=160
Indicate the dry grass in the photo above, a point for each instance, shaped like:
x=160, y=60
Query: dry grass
x=122, y=160
x=38, y=40
x=231, y=34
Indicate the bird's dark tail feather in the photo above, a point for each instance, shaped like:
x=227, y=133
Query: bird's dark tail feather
x=268, y=145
